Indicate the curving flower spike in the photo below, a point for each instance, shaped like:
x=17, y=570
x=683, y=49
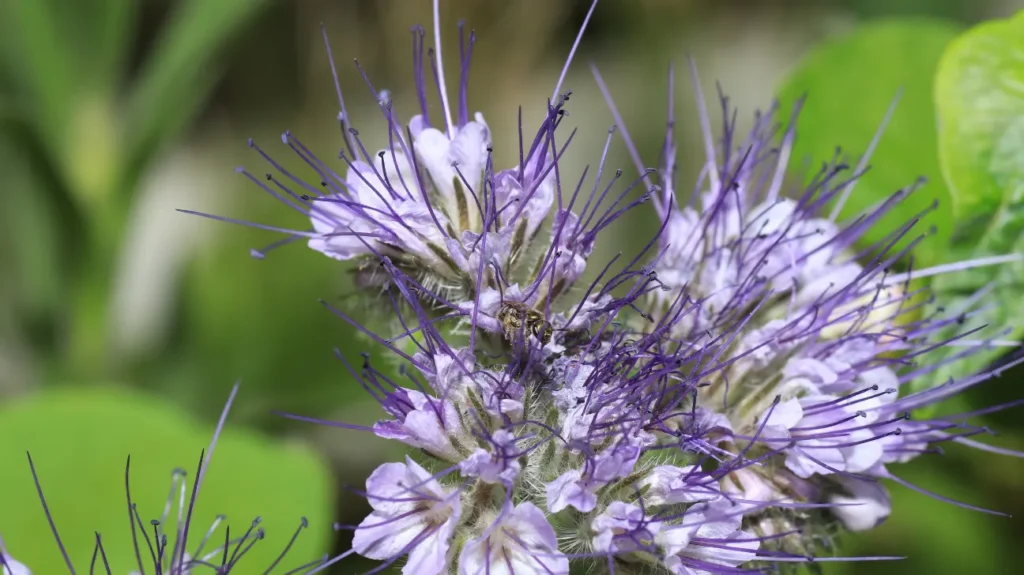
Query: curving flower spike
x=720, y=404
x=809, y=339
x=435, y=207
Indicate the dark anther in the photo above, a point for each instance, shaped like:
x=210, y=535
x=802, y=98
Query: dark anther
x=323, y=183
x=380, y=154
x=618, y=173
x=269, y=176
x=353, y=131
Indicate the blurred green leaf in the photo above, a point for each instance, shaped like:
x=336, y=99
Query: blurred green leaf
x=850, y=83
x=38, y=58
x=112, y=22
x=79, y=439
x=64, y=56
x=179, y=76
x=979, y=93
x=284, y=351
x=28, y=236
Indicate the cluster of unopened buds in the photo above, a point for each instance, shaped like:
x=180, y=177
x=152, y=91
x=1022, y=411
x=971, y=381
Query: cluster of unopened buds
x=727, y=401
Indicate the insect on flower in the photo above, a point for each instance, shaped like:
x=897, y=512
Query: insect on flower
x=519, y=320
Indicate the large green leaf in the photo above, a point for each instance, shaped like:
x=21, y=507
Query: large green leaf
x=850, y=82
x=79, y=439
x=979, y=93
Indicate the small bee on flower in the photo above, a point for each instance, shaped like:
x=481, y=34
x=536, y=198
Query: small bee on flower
x=517, y=320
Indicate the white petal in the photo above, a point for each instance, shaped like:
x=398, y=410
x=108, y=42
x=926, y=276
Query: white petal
x=430, y=556
x=866, y=507
x=379, y=537
x=14, y=567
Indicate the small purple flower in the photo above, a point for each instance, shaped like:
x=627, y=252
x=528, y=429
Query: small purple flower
x=578, y=487
x=668, y=485
x=708, y=540
x=860, y=504
x=455, y=164
x=412, y=514
x=500, y=465
x=517, y=542
x=824, y=436
x=623, y=528
x=426, y=422
x=571, y=489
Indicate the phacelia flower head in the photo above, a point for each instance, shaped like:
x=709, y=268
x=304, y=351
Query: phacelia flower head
x=809, y=337
x=506, y=242
x=722, y=403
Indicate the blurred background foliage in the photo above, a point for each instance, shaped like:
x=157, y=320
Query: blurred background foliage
x=123, y=323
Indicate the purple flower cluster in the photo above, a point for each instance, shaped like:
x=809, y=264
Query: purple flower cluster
x=722, y=403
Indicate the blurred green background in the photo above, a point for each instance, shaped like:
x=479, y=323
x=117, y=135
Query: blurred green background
x=124, y=324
